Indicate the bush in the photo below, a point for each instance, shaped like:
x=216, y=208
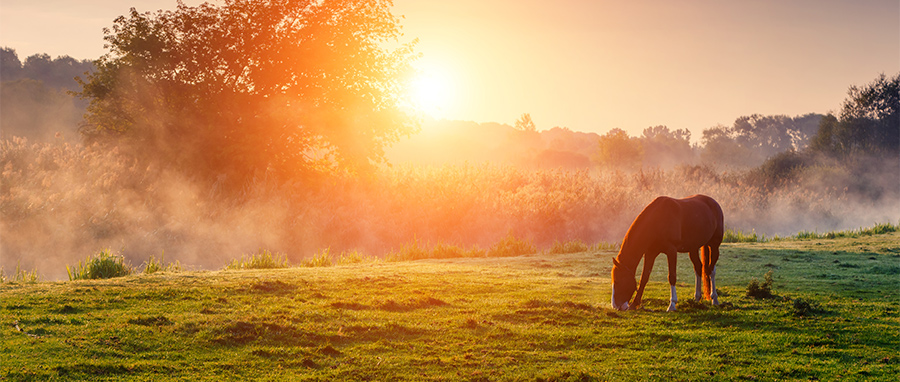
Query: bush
x=102, y=265
x=764, y=290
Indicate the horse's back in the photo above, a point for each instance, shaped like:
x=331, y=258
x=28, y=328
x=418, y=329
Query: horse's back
x=705, y=217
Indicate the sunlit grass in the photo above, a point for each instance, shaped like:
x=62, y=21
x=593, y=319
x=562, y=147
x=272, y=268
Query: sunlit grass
x=541, y=316
x=263, y=259
x=737, y=236
x=102, y=265
x=153, y=265
x=20, y=276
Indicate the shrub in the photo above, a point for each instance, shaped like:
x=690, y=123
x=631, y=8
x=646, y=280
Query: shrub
x=102, y=265
x=260, y=260
x=763, y=290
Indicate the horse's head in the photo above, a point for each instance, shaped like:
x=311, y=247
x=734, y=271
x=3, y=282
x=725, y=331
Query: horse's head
x=623, y=286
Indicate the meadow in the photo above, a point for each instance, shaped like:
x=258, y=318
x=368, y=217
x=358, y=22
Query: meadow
x=832, y=312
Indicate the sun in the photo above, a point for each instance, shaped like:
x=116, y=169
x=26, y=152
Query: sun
x=432, y=92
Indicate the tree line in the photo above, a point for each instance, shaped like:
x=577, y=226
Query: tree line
x=252, y=89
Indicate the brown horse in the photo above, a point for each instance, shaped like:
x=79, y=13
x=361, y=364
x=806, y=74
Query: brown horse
x=694, y=225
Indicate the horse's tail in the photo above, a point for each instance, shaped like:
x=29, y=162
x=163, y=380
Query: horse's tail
x=706, y=259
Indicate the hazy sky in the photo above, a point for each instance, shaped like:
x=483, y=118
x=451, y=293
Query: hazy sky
x=585, y=64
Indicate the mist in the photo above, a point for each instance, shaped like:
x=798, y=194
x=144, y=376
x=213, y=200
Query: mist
x=62, y=202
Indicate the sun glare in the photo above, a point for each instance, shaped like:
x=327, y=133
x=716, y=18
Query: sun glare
x=432, y=92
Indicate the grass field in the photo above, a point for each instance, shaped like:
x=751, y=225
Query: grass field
x=540, y=317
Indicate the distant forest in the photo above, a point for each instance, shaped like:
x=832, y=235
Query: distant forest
x=38, y=104
x=35, y=102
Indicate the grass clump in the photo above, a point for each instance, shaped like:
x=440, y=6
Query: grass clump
x=152, y=265
x=20, y=275
x=264, y=259
x=877, y=229
x=571, y=246
x=734, y=236
x=321, y=259
x=511, y=246
x=102, y=265
x=756, y=289
x=803, y=308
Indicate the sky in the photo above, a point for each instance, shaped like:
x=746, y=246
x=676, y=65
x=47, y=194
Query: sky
x=586, y=65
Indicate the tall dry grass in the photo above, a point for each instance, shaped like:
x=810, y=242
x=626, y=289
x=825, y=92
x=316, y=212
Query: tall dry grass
x=59, y=202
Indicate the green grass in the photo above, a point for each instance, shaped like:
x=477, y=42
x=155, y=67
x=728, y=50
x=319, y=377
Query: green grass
x=834, y=315
x=263, y=259
x=20, y=276
x=102, y=265
x=738, y=236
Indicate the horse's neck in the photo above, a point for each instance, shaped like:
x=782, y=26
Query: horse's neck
x=631, y=252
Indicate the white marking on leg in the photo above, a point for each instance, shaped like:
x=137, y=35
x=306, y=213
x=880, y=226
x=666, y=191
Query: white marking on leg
x=712, y=286
x=613, y=299
x=698, y=290
x=673, y=300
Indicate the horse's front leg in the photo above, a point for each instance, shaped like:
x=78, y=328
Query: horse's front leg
x=645, y=276
x=673, y=260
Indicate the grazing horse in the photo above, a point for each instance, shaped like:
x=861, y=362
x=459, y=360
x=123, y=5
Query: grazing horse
x=694, y=225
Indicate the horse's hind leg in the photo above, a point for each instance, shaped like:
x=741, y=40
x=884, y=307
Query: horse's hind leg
x=673, y=299
x=698, y=274
x=710, y=255
x=714, y=257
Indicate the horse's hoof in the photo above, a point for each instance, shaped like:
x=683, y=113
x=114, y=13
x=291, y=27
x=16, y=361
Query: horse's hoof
x=671, y=308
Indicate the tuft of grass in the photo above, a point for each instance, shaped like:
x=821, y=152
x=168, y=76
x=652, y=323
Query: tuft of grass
x=263, y=259
x=756, y=289
x=20, y=275
x=102, y=265
x=355, y=257
x=877, y=229
x=321, y=259
x=604, y=246
x=571, y=246
x=802, y=308
x=511, y=246
x=152, y=265
x=733, y=236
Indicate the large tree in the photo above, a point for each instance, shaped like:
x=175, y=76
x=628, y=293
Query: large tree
x=618, y=150
x=869, y=121
x=253, y=88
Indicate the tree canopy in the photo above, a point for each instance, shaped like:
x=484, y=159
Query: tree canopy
x=253, y=87
x=869, y=120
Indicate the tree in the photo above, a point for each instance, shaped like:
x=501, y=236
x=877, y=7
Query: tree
x=664, y=148
x=253, y=87
x=618, y=150
x=869, y=120
x=524, y=123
